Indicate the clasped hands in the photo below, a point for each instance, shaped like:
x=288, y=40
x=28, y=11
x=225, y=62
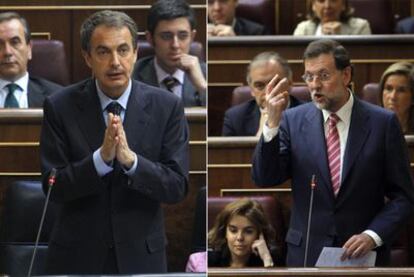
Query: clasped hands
x=259, y=247
x=115, y=144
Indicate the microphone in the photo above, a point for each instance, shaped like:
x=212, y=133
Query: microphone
x=312, y=185
x=51, y=181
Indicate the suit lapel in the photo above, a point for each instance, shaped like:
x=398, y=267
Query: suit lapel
x=90, y=116
x=358, y=133
x=252, y=119
x=136, y=117
x=147, y=73
x=35, y=95
x=314, y=135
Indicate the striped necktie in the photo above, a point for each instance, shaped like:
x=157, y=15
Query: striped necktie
x=11, y=101
x=170, y=83
x=334, y=152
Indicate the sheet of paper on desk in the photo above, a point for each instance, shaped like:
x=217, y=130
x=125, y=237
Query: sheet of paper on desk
x=331, y=257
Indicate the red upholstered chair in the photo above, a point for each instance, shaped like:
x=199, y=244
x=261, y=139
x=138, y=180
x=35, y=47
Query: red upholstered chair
x=371, y=93
x=145, y=49
x=260, y=11
x=49, y=61
x=242, y=94
x=271, y=207
x=377, y=12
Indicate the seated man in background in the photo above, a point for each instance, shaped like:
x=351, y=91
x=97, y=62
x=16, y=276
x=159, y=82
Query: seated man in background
x=224, y=23
x=17, y=88
x=247, y=119
x=405, y=26
x=171, y=30
x=331, y=17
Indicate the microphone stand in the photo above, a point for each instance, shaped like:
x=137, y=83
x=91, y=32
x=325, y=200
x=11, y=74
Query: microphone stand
x=51, y=182
x=312, y=185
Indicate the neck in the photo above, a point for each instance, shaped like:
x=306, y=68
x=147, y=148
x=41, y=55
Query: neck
x=169, y=70
x=239, y=262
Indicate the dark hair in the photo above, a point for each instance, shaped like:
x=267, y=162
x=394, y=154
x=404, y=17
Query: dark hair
x=328, y=46
x=344, y=16
x=248, y=208
x=110, y=19
x=7, y=16
x=168, y=10
x=266, y=57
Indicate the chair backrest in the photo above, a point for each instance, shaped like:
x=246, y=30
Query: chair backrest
x=49, y=61
x=370, y=93
x=242, y=94
x=19, y=222
x=145, y=49
x=377, y=12
x=260, y=11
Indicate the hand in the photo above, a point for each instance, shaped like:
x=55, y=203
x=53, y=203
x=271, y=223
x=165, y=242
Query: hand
x=259, y=247
x=191, y=65
x=222, y=30
x=357, y=246
x=108, y=148
x=276, y=100
x=331, y=28
x=124, y=155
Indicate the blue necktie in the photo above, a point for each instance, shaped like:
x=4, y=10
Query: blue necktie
x=11, y=101
x=114, y=107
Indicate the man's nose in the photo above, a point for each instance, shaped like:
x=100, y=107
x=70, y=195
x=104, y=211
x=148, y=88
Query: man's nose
x=115, y=60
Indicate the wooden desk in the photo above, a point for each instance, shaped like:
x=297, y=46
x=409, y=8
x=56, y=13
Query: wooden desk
x=19, y=159
x=311, y=272
x=228, y=59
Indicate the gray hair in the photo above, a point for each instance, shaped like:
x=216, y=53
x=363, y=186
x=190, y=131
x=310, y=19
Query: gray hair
x=266, y=57
x=110, y=19
x=7, y=16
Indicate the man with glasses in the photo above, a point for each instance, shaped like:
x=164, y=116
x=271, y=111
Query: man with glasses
x=247, y=119
x=224, y=23
x=171, y=30
x=356, y=152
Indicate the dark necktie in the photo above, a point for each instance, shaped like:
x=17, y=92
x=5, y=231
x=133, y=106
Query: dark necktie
x=114, y=108
x=11, y=101
x=334, y=152
x=170, y=83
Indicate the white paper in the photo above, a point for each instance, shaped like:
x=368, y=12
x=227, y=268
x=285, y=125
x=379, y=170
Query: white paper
x=331, y=257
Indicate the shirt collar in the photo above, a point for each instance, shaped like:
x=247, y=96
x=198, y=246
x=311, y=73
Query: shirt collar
x=22, y=82
x=344, y=113
x=162, y=74
x=122, y=100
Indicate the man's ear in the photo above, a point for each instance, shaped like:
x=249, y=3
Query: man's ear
x=149, y=38
x=87, y=58
x=29, y=53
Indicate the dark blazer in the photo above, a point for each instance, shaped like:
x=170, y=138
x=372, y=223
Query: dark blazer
x=116, y=211
x=376, y=165
x=144, y=71
x=244, y=119
x=38, y=89
x=245, y=27
x=405, y=26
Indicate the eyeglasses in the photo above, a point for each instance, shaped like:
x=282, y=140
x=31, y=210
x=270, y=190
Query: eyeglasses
x=323, y=76
x=168, y=36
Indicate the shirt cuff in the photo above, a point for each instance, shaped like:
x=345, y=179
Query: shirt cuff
x=133, y=168
x=269, y=133
x=101, y=167
x=378, y=241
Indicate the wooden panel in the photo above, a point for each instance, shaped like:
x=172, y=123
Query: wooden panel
x=311, y=272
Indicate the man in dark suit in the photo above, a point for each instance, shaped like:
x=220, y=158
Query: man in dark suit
x=120, y=148
x=244, y=119
x=364, y=190
x=171, y=30
x=224, y=23
x=17, y=88
x=405, y=26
